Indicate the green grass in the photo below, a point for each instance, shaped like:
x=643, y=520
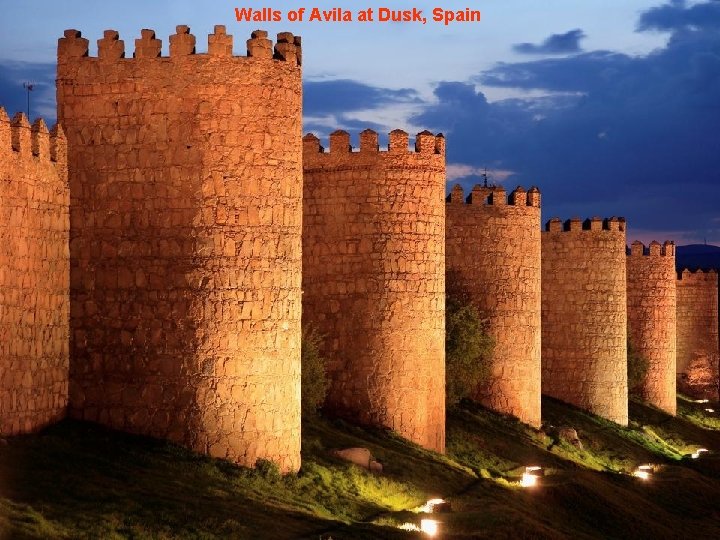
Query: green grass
x=78, y=480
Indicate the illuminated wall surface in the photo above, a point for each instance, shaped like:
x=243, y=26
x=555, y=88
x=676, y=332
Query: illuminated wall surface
x=374, y=278
x=652, y=319
x=34, y=268
x=584, y=315
x=697, y=334
x=186, y=186
x=493, y=260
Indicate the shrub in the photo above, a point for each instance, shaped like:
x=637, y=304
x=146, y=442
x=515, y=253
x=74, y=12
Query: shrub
x=467, y=350
x=314, y=381
x=637, y=368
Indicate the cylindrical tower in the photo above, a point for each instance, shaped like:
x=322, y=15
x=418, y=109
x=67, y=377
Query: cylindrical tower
x=651, y=319
x=697, y=334
x=584, y=315
x=492, y=246
x=186, y=187
x=374, y=278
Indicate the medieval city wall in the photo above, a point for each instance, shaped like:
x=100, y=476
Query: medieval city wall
x=34, y=275
x=697, y=334
x=186, y=186
x=374, y=278
x=651, y=301
x=493, y=260
x=584, y=315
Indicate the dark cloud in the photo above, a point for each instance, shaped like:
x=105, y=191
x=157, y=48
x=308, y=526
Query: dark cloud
x=566, y=43
x=620, y=135
x=14, y=97
x=676, y=15
x=342, y=95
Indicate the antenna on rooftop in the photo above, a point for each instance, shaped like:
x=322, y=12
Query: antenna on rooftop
x=29, y=87
x=485, y=177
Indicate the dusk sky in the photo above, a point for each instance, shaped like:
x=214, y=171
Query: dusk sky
x=611, y=107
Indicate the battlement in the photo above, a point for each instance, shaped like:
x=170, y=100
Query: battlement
x=698, y=276
x=19, y=136
x=591, y=224
x=655, y=249
x=495, y=196
x=426, y=144
x=74, y=47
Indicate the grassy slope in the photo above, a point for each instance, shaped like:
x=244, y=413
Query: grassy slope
x=81, y=481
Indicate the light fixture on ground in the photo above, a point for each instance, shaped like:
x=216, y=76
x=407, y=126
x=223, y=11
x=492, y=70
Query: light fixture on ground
x=429, y=526
x=643, y=472
x=531, y=476
x=699, y=452
x=710, y=410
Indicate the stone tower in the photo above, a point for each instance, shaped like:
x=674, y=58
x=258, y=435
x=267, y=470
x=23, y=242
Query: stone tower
x=186, y=213
x=697, y=334
x=374, y=278
x=492, y=246
x=34, y=275
x=651, y=319
x=584, y=315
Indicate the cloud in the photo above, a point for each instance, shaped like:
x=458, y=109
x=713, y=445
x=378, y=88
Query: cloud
x=566, y=43
x=342, y=95
x=463, y=171
x=677, y=15
x=614, y=134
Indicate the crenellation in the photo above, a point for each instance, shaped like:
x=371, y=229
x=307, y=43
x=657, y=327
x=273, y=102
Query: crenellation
x=593, y=224
x=220, y=43
x=574, y=224
x=58, y=147
x=111, y=47
x=518, y=197
x=5, y=132
x=480, y=195
x=285, y=48
x=457, y=195
x=72, y=46
x=40, y=139
x=148, y=46
x=340, y=142
x=534, y=197
x=182, y=43
x=398, y=142
x=20, y=134
x=425, y=142
x=369, y=141
x=259, y=46
x=341, y=152
x=498, y=196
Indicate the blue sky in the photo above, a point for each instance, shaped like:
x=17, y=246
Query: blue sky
x=611, y=107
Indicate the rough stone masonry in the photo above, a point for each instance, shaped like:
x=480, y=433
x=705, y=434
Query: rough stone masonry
x=186, y=211
x=584, y=315
x=374, y=278
x=34, y=274
x=492, y=246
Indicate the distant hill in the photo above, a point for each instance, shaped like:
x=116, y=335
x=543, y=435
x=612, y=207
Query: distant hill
x=697, y=256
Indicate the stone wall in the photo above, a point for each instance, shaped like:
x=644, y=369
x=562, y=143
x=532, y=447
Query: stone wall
x=584, y=315
x=374, y=278
x=186, y=186
x=697, y=334
x=493, y=260
x=34, y=275
x=651, y=319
